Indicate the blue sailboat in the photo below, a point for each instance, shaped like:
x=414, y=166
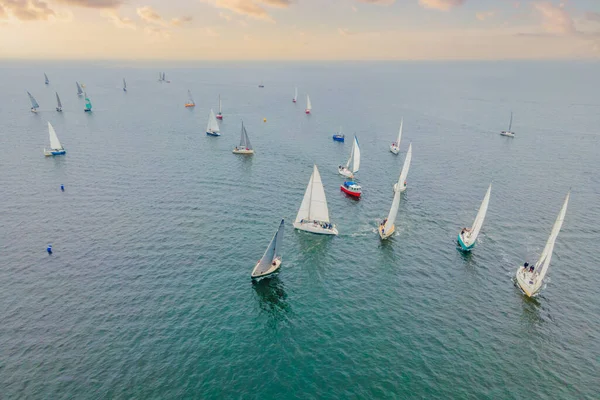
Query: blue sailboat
x=88, y=104
x=34, y=103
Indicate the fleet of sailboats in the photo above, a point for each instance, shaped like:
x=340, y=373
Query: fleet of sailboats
x=56, y=149
x=245, y=147
x=34, y=103
x=531, y=278
x=270, y=262
x=404, y=173
x=468, y=236
x=220, y=113
x=58, y=103
x=509, y=132
x=395, y=146
x=313, y=215
x=212, y=129
x=190, y=102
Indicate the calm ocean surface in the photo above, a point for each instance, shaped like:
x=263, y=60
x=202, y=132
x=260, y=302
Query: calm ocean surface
x=148, y=294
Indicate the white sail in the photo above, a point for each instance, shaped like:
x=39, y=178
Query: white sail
x=124, y=84
x=213, y=125
x=510, y=123
x=391, y=218
x=400, y=133
x=244, y=139
x=79, y=91
x=314, y=203
x=191, y=99
x=46, y=80
x=355, y=156
x=58, y=103
x=34, y=103
x=478, y=223
x=405, y=167
x=273, y=251
x=541, y=266
x=54, y=142
x=295, y=94
x=308, y=103
x=220, y=105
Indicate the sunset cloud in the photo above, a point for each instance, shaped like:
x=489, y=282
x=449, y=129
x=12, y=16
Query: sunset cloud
x=442, y=5
x=251, y=8
x=381, y=2
x=93, y=3
x=122, y=22
x=555, y=19
x=25, y=10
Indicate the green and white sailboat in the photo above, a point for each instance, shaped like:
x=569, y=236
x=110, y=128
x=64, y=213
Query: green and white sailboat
x=88, y=103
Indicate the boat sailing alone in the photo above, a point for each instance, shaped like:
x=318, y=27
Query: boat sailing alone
x=124, y=85
x=58, y=103
x=395, y=146
x=46, y=80
x=220, y=113
x=531, y=278
x=191, y=102
x=468, y=236
x=295, y=99
x=339, y=137
x=56, y=149
x=387, y=227
x=404, y=173
x=353, y=161
x=313, y=215
x=88, y=103
x=34, y=103
x=212, y=129
x=245, y=146
x=509, y=132
x=271, y=260
x=79, y=90
x=308, y=105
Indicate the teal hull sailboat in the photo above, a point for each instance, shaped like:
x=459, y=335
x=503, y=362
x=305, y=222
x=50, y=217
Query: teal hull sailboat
x=88, y=103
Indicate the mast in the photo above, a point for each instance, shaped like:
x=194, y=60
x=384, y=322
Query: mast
x=510, y=123
x=220, y=104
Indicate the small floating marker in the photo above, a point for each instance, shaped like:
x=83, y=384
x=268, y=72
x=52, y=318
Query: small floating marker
x=264, y=120
x=62, y=188
x=49, y=249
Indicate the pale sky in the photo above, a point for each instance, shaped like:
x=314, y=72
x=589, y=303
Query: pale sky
x=300, y=29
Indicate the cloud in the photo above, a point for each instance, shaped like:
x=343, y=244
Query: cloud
x=93, y=3
x=25, y=10
x=483, y=15
x=441, y=5
x=157, y=32
x=251, y=8
x=555, y=19
x=149, y=14
x=226, y=17
x=211, y=32
x=122, y=22
x=181, y=20
x=381, y=2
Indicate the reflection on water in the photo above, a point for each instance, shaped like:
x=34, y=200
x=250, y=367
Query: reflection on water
x=272, y=296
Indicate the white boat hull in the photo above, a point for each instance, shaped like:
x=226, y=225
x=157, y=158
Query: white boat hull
x=315, y=228
x=394, y=149
x=242, y=151
x=396, y=188
x=384, y=235
x=274, y=268
x=507, y=133
x=527, y=282
x=345, y=172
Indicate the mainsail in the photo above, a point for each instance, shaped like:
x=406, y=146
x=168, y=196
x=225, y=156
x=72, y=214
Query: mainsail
x=190, y=98
x=79, y=91
x=88, y=103
x=295, y=94
x=46, y=80
x=220, y=105
x=510, y=123
x=54, y=142
x=354, y=157
x=244, y=140
x=478, y=223
x=399, y=133
x=34, y=103
x=541, y=266
x=405, y=167
x=391, y=218
x=272, y=252
x=58, y=103
x=308, y=103
x=213, y=125
x=314, y=203
x=124, y=85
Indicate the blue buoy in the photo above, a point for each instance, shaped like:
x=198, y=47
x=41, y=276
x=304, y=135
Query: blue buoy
x=62, y=188
x=49, y=249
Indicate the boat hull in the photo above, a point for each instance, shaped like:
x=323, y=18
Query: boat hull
x=274, y=268
x=58, y=109
x=315, y=228
x=507, y=134
x=294, y=101
x=464, y=246
x=345, y=172
x=525, y=282
x=213, y=133
x=394, y=149
x=242, y=151
x=395, y=188
x=50, y=153
x=384, y=235
x=307, y=111
x=219, y=117
x=338, y=138
x=189, y=105
x=87, y=110
x=351, y=192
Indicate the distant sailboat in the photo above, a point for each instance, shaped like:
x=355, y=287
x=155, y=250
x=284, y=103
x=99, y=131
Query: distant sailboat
x=405, y=168
x=262, y=85
x=220, y=113
x=79, y=90
x=313, y=215
x=353, y=163
x=509, y=132
x=388, y=226
x=271, y=260
x=58, y=103
x=46, y=80
x=339, y=137
x=191, y=102
x=124, y=85
x=468, y=236
x=308, y=105
x=56, y=149
x=212, y=129
x=245, y=147
x=531, y=278
x=160, y=77
x=88, y=103
x=34, y=103
x=395, y=146
x=295, y=99
x=164, y=77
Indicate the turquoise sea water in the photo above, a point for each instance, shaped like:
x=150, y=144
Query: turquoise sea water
x=148, y=294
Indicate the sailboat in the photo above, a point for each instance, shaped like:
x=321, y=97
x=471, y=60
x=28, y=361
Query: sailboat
x=405, y=168
x=271, y=260
x=88, y=103
x=245, y=146
x=58, y=103
x=295, y=99
x=308, y=105
x=339, y=137
x=353, y=160
x=531, y=278
x=191, y=102
x=387, y=227
x=124, y=85
x=212, y=129
x=164, y=78
x=56, y=149
x=468, y=236
x=220, y=113
x=46, y=80
x=262, y=85
x=34, y=103
x=313, y=215
x=160, y=77
x=395, y=146
x=509, y=132
x=79, y=91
